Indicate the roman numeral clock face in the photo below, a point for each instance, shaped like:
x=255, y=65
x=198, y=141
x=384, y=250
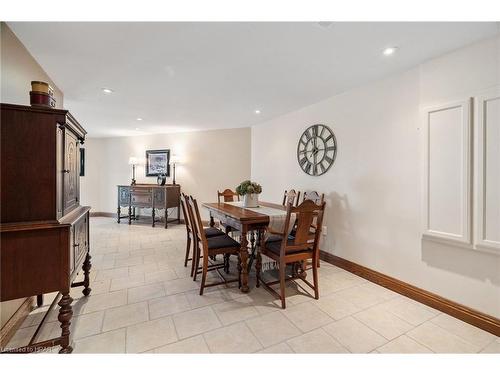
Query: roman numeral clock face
x=316, y=150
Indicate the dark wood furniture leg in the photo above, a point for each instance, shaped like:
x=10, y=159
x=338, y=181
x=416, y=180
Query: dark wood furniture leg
x=129, y=215
x=178, y=214
x=65, y=315
x=87, y=265
x=39, y=300
x=258, y=260
x=212, y=221
x=119, y=211
x=153, y=216
x=166, y=214
x=244, y=260
x=188, y=249
x=282, y=283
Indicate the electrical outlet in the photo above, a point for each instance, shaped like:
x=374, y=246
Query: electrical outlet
x=324, y=231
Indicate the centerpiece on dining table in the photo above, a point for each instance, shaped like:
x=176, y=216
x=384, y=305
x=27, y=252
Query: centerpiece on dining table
x=250, y=192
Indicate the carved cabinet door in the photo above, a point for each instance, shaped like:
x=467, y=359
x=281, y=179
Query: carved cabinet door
x=70, y=172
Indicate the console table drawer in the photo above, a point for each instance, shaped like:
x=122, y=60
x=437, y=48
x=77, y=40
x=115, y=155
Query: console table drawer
x=140, y=199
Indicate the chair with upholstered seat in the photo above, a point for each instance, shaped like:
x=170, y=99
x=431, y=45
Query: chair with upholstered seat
x=318, y=199
x=190, y=234
x=291, y=196
x=314, y=196
x=227, y=196
x=209, y=247
x=304, y=245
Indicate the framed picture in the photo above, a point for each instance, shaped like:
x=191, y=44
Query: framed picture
x=82, y=162
x=157, y=162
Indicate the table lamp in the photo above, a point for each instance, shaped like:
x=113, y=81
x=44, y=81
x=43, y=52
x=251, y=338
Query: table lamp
x=175, y=159
x=133, y=162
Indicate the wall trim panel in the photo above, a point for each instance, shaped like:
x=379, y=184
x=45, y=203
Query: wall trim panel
x=464, y=234
x=481, y=239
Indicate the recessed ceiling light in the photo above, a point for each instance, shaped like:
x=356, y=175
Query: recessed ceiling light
x=390, y=51
x=139, y=119
x=325, y=24
x=107, y=91
x=257, y=111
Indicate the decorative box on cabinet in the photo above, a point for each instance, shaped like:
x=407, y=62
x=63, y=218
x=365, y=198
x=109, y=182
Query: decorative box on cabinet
x=44, y=230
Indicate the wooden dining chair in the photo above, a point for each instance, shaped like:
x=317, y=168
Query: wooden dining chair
x=303, y=246
x=292, y=197
x=318, y=199
x=227, y=196
x=190, y=234
x=314, y=196
x=208, y=247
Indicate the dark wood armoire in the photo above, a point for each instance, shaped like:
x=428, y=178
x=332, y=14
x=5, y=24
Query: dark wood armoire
x=44, y=229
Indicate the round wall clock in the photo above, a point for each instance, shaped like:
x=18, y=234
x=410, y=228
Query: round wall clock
x=317, y=150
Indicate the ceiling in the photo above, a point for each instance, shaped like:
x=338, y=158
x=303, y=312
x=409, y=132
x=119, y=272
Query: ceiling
x=194, y=76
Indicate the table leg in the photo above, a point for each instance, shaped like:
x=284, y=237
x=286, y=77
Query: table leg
x=258, y=260
x=212, y=222
x=119, y=210
x=244, y=261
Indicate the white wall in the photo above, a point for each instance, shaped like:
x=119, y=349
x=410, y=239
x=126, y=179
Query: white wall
x=373, y=190
x=212, y=160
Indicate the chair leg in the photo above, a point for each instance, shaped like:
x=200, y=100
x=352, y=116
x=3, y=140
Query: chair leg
x=258, y=267
x=282, y=284
x=315, y=263
x=196, y=263
x=204, y=274
x=188, y=248
x=226, y=263
x=239, y=270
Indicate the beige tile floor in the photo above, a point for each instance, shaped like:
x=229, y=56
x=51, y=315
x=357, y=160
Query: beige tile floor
x=143, y=300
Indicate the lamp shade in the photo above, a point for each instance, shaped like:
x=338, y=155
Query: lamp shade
x=133, y=160
x=176, y=159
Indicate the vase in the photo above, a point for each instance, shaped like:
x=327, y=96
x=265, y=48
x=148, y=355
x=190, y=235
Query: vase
x=251, y=200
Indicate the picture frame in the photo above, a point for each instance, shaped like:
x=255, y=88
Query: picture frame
x=157, y=162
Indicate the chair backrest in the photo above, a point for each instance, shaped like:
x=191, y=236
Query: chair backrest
x=185, y=213
x=227, y=196
x=305, y=214
x=196, y=221
x=292, y=197
x=314, y=196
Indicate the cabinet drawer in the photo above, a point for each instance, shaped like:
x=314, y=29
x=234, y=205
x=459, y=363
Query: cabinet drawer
x=136, y=190
x=138, y=199
x=80, y=240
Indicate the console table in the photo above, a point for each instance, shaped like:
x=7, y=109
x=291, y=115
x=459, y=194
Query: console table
x=148, y=196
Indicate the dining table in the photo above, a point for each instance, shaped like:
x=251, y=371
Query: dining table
x=253, y=220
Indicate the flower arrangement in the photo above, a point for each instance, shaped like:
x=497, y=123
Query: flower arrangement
x=248, y=187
